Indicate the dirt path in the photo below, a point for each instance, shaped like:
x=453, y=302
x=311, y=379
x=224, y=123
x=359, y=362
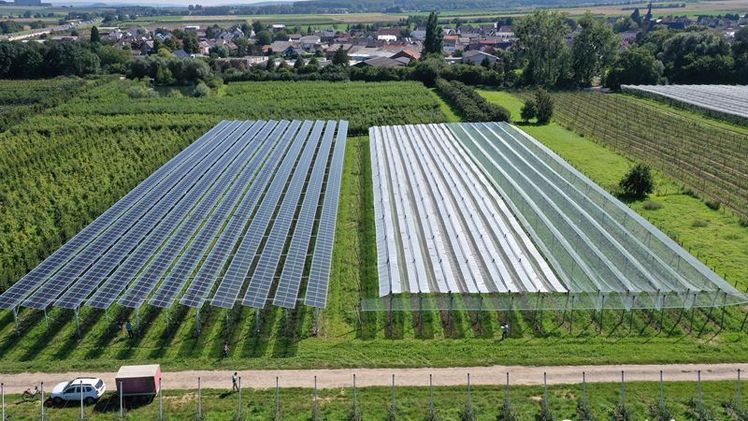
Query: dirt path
x=519, y=375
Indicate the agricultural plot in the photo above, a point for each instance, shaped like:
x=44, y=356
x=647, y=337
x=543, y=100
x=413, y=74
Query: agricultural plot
x=443, y=227
x=20, y=99
x=708, y=159
x=204, y=216
x=729, y=102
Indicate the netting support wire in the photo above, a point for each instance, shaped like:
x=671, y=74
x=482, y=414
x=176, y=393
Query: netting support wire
x=389, y=312
x=724, y=310
x=602, y=309
x=745, y=319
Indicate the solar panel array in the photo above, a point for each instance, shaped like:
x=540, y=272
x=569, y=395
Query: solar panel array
x=485, y=208
x=245, y=194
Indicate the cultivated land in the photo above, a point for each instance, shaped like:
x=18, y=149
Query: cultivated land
x=103, y=144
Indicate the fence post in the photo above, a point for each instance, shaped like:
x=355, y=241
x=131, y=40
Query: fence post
x=240, y=397
x=2, y=392
x=121, y=406
x=355, y=398
x=584, y=387
x=698, y=378
x=431, y=394
x=545, y=388
x=506, y=390
x=662, y=390
x=81, y=396
x=394, y=405
x=42, y=398
x=470, y=396
x=199, y=401
x=623, y=389
x=738, y=401
x=160, y=401
x=277, y=396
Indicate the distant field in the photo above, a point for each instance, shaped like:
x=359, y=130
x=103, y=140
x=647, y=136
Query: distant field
x=412, y=403
x=692, y=9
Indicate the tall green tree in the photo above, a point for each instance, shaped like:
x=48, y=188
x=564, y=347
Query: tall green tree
x=697, y=57
x=434, y=36
x=541, y=42
x=594, y=49
x=95, y=37
x=340, y=58
x=635, y=66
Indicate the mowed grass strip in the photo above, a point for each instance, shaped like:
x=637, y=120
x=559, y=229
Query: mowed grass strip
x=412, y=403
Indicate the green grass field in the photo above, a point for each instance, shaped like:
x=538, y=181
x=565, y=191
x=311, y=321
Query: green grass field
x=412, y=403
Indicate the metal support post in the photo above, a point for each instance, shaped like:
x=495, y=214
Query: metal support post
x=160, y=401
x=623, y=388
x=121, y=401
x=277, y=397
x=240, y=396
x=698, y=378
x=2, y=392
x=738, y=397
x=42, y=399
x=662, y=390
x=584, y=387
x=545, y=388
x=81, y=396
x=431, y=394
x=199, y=401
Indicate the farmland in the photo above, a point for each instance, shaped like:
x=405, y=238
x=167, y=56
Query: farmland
x=21, y=98
x=707, y=159
x=101, y=145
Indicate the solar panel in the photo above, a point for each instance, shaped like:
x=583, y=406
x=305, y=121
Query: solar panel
x=163, y=218
x=31, y=281
x=44, y=296
x=262, y=278
x=138, y=291
x=214, y=263
x=187, y=263
x=293, y=266
x=319, y=272
x=182, y=222
x=236, y=273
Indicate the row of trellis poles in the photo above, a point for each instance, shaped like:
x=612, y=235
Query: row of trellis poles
x=200, y=414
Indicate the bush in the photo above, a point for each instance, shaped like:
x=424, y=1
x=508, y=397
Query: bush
x=431, y=415
x=699, y=411
x=201, y=90
x=472, y=106
x=392, y=412
x=355, y=413
x=713, y=204
x=529, y=110
x=141, y=92
x=637, y=183
x=544, y=106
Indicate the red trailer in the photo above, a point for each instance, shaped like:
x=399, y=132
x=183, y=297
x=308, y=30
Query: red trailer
x=139, y=380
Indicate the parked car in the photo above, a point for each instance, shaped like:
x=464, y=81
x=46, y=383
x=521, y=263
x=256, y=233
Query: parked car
x=92, y=389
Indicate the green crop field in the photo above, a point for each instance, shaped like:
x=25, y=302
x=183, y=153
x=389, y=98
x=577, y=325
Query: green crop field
x=411, y=403
x=67, y=165
x=708, y=159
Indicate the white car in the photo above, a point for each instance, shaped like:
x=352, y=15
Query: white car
x=93, y=389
